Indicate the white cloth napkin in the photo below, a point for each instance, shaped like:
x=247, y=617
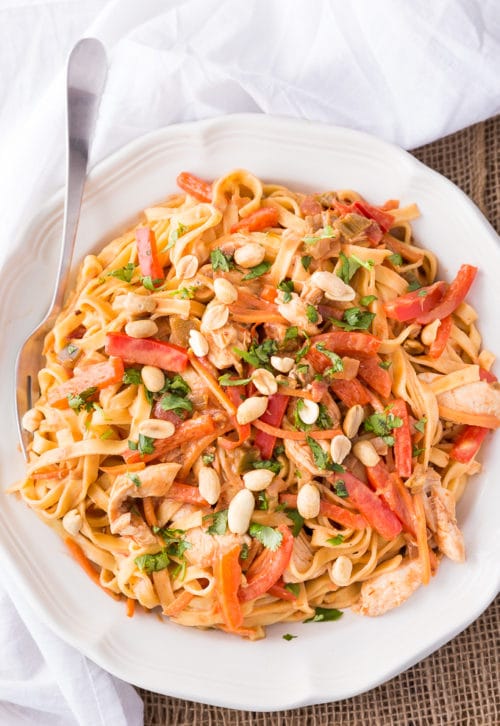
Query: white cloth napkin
x=409, y=72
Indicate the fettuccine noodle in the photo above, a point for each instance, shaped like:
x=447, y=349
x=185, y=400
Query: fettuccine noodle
x=261, y=406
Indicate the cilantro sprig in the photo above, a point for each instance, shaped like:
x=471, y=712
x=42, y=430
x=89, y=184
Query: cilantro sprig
x=382, y=424
x=268, y=536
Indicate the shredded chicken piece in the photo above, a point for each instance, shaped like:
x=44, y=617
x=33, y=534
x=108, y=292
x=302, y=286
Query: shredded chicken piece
x=295, y=311
x=479, y=397
x=222, y=342
x=155, y=481
x=448, y=536
x=389, y=589
x=203, y=545
x=301, y=455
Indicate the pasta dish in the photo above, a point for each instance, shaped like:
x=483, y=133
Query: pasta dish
x=261, y=405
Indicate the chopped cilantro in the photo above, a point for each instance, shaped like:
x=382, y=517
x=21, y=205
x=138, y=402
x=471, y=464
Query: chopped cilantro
x=125, y=274
x=324, y=420
x=289, y=636
x=312, y=314
x=324, y=615
x=262, y=501
x=382, y=424
x=146, y=444
x=219, y=522
x=244, y=551
x=80, y=401
x=132, y=376
x=176, y=385
x=258, y=355
x=268, y=536
x=340, y=489
x=325, y=233
x=286, y=287
x=175, y=543
x=306, y=261
x=151, y=284
x=279, y=449
x=221, y=261
x=293, y=587
x=153, y=563
x=291, y=333
x=257, y=271
x=416, y=451
x=134, y=479
x=106, y=434
x=337, y=364
x=184, y=293
x=175, y=403
x=208, y=458
x=420, y=425
x=297, y=519
x=414, y=285
x=338, y=539
x=174, y=235
x=367, y=300
x=321, y=458
x=350, y=265
x=132, y=445
x=385, y=364
x=271, y=464
x=303, y=351
x=422, y=293
x=226, y=380
x=395, y=259
x=354, y=319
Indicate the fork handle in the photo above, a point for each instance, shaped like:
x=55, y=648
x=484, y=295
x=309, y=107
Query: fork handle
x=86, y=74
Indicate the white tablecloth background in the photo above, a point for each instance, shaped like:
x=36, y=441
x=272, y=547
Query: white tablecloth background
x=409, y=72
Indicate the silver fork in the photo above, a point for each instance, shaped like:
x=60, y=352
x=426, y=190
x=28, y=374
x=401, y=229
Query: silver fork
x=86, y=74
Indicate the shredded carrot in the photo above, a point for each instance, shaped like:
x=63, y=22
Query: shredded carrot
x=130, y=607
x=178, y=605
x=79, y=555
x=123, y=468
x=294, y=435
x=240, y=315
x=297, y=392
x=53, y=474
x=487, y=421
x=195, y=452
x=423, y=547
x=149, y=511
x=212, y=384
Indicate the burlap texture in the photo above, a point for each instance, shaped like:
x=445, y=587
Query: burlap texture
x=459, y=684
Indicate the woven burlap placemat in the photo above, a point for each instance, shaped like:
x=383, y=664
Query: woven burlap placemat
x=459, y=684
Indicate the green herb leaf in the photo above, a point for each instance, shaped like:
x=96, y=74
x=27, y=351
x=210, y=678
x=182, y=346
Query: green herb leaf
x=244, y=551
x=303, y=351
x=151, y=284
x=134, y=479
x=271, y=464
x=297, y=519
x=153, y=563
x=176, y=385
x=258, y=355
x=385, y=364
x=125, y=274
x=367, y=299
x=219, y=523
x=226, y=380
x=422, y=293
x=414, y=285
x=175, y=543
x=350, y=265
x=288, y=636
x=382, y=424
x=337, y=364
x=324, y=420
x=208, y=458
x=354, y=319
x=146, y=444
x=257, y=271
x=80, y=401
x=132, y=376
x=132, y=445
x=312, y=314
x=395, y=259
x=286, y=287
x=174, y=236
x=340, y=490
x=183, y=293
x=177, y=404
x=416, y=451
x=262, y=501
x=321, y=458
x=221, y=261
x=325, y=233
x=306, y=261
x=338, y=539
x=324, y=615
x=293, y=587
x=107, y=434
x=420, y=425
x=291, y=333
x=268, y=536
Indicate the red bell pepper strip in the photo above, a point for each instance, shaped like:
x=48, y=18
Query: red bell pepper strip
x=488, y=376
x=186, y=493
x=273, y=415
x=279, y=590
x=415, y=303
x=384, y=220
x=394, y=493
x=258, y=220
x=350, y=392
x=374, y=510
x=147, y=352
x=196, y=187
x=454, y=295
x=344, y=343
x=374, y=376
x=268, y=567
x=227, y=576
x=402, y=439
x=148, y=255
x=236, y=395
x=468, y=443
x=342, y=516
x=97, y=376
x=438, y=345
x=190, y=430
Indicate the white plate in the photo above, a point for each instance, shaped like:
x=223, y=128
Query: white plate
x=328, y=661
